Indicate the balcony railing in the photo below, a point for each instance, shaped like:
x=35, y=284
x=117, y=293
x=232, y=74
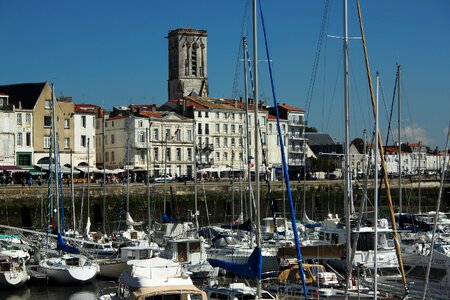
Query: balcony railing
x=205, y=147
x=295, y=123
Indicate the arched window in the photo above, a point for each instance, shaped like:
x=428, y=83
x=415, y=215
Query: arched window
x=194, y=60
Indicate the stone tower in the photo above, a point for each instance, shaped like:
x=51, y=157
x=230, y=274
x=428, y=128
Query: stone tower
x=187, y=63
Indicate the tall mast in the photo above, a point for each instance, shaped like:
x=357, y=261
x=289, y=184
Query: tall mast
x=195, y=172
x=148, y=174
x=88, y=223
x=347, y=182
x=247, y=135
x=255, y=104
x=55, y=160
x=375, y=267
x=72, y=192
x=399, y=144
x=104, y=173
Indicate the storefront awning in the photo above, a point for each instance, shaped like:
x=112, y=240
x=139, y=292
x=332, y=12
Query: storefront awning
x=13, y=169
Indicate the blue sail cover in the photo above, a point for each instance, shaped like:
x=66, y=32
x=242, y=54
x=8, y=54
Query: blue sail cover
x=167, y=219
x=252, y=269
x=61, y=245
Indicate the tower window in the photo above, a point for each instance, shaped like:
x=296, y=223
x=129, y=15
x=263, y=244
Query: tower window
x=194, y=60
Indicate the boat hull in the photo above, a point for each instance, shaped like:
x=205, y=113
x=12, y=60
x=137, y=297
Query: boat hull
x=68, y=274
x=111, y=268
x=13, y=279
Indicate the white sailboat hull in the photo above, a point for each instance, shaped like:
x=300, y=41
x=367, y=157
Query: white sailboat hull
x=61, y=273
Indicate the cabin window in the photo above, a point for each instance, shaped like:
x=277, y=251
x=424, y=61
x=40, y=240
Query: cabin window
x=194, y=247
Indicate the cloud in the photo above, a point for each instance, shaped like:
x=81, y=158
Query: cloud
x=414, y=134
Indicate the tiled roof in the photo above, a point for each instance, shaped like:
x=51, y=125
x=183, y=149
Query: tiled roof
x=150, y=114
x=291, y=108
x=86, y=108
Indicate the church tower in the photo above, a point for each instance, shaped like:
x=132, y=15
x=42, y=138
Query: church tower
x=187, y=63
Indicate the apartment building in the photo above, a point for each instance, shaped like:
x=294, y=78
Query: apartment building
x=7, y=132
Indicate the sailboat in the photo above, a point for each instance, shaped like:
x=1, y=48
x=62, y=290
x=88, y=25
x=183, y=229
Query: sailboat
x=67, y=266
x=13, y=271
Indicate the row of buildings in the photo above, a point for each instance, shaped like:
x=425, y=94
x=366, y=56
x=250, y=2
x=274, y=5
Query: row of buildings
x=166, y=138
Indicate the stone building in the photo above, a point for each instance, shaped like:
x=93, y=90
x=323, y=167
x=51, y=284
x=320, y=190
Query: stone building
x=188, y=72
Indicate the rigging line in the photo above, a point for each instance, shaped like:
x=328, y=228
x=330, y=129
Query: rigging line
x=338, y=71
x=354, y=87
x=285, y=166
x=244, y=31
x=312, y=80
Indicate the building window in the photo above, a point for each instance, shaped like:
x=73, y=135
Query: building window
x=232, y=155
x=194, y=60
x=178, y=151
x=19, y=139
x=112, y=124
x=217, y=115
x=47, y=104
x=225, y=142
x=168, y=154
x=189, y=154
x=199, y=128
x=19, y=119
x=47, y=142
x=189, y=135
x=199, y=114
x=167, y=133
x=47, y=121
x=140, y=123
x=66, y=123
x=232, y=142
x=24, y=159
x=28, y=119
x=217, y=142
x=112, y=139
x=218, y=156
x=83, y=141
x=66, y=143
x=142, y=137
x=112, y=155
x=206, y=114
x=217, y=128
x=206, y=128
x=240, y=129
x=233, y=130
x=28, y=139
x=240, y=117
x=225, y=156
x=83, y=121
x=156, y=134
x=232, y=116
x=225, y=128
x=240, y=142
x=178, y=134
x=155, y=154
x=106, y=156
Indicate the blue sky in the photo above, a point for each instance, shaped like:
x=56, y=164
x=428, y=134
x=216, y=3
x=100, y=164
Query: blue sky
x=110, y=52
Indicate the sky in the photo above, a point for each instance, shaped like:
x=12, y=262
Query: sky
x=110, y=53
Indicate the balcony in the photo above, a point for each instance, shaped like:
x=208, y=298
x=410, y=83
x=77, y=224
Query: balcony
x=295, y=123
x=295, y=149
x=205, y=147
x=296, y=136
x=295, y=162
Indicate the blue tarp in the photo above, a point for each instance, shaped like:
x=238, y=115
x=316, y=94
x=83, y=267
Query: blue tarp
x=167, y=219
x=252, y=269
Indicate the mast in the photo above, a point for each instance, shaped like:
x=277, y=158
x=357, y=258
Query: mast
x=104, y=173
x=375, y=261
x=147, y=132
x=255, y=104
x=400, y=210
x=195, y=172
x=420, y=176
x=382, y=159
x=247, y=135
x=72, y=189
x=88, y=223
x=55, y=162
x=347, y=182
x=128, y=176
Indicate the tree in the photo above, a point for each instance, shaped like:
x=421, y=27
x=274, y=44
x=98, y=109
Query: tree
x=310, y=129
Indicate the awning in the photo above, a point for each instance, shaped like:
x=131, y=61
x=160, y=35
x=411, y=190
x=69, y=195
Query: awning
x=84, y=169
x=35, y=172
x=13, y=169
x=63, y=169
